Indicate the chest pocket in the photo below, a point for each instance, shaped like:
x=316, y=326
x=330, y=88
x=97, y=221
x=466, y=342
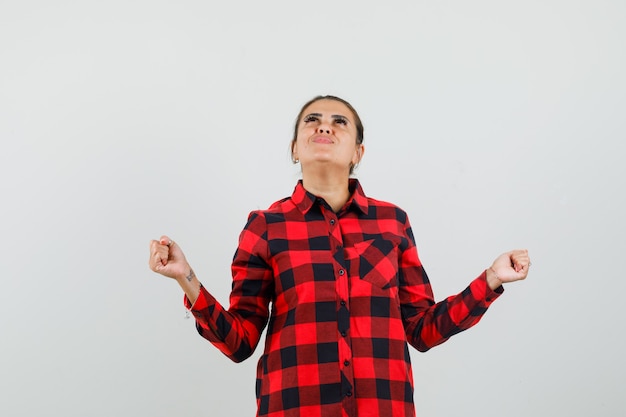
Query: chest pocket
x=375, y=261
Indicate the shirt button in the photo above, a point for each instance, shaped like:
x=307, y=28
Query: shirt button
x=343, y=334
x=349, y=394
x=346, y=363
x=343, y=303
x=332, y=222
x=341, y=272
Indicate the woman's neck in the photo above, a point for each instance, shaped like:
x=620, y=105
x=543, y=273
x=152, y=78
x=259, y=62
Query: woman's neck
x=333, y=189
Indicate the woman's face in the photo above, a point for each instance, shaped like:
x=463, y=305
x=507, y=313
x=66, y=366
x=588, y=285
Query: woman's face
x=327, y=137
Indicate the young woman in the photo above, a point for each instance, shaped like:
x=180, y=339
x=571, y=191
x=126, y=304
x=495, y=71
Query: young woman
x=338, y=276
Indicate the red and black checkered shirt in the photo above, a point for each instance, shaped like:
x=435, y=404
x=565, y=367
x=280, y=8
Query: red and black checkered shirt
x=344, y=293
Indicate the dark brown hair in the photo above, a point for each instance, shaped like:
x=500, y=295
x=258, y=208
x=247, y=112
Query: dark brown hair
x=357, y=120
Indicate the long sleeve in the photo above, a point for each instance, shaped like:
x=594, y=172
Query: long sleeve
x=427, y=323
x=236, y=331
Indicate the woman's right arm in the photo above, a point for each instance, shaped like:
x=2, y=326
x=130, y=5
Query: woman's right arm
x=234, y=331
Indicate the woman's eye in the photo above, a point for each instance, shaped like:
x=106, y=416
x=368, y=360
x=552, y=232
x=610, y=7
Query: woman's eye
x=310, y=119
x=341, y=121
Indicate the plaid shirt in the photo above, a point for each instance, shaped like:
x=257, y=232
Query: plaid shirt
x=344, y=293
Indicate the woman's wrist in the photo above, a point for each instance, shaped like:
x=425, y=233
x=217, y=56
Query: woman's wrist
x=190, y=285
x=186, y=277
x=492, y=279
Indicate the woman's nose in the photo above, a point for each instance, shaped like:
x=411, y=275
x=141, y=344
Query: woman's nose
x=325, y=130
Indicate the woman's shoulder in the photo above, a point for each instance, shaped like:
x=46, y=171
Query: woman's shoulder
x=381, y=203
x=383, y=208
x=276, y=211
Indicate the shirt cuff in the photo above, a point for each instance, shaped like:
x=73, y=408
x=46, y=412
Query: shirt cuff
x=201, y=303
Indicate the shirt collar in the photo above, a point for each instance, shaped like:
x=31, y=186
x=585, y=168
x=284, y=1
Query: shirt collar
x=304, y=200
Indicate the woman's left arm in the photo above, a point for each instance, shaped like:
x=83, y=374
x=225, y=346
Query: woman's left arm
x=428, y=323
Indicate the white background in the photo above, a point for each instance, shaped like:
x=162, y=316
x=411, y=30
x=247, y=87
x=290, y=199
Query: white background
x=494, y=124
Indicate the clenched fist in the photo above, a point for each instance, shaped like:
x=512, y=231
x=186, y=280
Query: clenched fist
x=168, y=259
x=508, y=267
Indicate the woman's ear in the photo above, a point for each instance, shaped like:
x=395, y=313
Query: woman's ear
x=358, y=155
x=294, y=153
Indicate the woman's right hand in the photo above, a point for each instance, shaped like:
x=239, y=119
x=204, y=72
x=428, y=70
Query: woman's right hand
x=168, y=259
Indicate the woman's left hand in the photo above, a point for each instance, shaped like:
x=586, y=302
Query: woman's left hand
x=508, y=267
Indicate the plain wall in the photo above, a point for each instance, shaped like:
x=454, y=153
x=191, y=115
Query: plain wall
x=495, y=125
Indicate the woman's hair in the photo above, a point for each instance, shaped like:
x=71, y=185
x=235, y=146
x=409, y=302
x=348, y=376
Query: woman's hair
x=357, y=121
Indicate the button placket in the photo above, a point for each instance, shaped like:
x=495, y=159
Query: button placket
x=343, y=311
